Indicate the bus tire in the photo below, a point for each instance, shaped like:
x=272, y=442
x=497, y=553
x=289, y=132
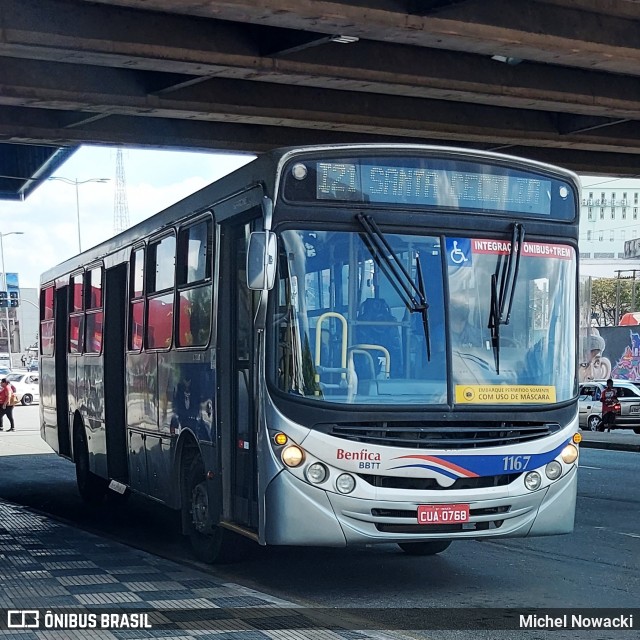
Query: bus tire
x=92, y=488
x=427, y=548
x=213, y=547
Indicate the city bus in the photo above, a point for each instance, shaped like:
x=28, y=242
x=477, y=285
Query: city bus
x=331, y=346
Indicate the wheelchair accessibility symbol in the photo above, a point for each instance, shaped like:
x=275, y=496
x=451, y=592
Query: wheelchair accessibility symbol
x=457, y=255
x=459, y=252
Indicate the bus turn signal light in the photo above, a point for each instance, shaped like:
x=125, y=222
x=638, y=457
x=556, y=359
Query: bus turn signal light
x=280, y=439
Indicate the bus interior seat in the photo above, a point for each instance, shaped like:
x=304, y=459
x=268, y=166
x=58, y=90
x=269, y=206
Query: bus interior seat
x=385, y=334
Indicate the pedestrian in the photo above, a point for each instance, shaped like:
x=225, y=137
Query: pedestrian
x=7, y=392
x=23, y=360
x=609, y=399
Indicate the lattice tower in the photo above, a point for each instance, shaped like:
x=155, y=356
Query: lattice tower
x=120, y=205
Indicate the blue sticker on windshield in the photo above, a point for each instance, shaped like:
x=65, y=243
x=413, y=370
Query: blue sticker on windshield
x=458, y=252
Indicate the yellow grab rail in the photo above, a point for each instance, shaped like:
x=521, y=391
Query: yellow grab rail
x=343, y=358
x=377, y=347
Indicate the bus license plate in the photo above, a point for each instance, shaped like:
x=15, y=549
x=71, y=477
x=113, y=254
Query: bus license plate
x=443, y=513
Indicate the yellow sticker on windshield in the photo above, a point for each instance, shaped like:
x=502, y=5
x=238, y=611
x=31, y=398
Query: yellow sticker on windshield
x=503, y=394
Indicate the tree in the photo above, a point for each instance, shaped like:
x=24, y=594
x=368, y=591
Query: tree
x=604, y=297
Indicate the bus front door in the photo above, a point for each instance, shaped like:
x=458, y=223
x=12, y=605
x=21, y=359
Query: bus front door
x=236, y=339
x=62, y=373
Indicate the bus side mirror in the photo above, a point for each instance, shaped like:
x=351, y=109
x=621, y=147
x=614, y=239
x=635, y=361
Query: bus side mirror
x=261, y=260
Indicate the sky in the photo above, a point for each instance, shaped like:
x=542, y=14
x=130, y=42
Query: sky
x=608, y=182
x=47, y=218
x=155, y=179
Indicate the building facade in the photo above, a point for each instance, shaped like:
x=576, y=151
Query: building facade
x=609, y=216
x=23, y=326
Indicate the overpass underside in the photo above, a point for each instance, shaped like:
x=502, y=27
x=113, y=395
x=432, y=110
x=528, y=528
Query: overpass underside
x=555, y=80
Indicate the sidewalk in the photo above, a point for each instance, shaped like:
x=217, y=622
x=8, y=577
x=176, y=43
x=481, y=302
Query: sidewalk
x=617, y=440
x=46, y=565
x=51, y=568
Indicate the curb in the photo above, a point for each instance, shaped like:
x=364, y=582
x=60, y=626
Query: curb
x=611, y=446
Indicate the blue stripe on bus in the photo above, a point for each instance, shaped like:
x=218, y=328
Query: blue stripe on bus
x=489, y=465
x=444, y=472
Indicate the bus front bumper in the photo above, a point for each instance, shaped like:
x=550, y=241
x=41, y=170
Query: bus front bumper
x=298, y=513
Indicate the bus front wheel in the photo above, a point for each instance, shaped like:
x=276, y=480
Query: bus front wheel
x=211, y=546
x=427, y=548
x=92, y=488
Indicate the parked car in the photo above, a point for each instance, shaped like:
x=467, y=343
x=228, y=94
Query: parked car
x=590, y=407
x=26, y=385
x=33, y=365
x=4, y=371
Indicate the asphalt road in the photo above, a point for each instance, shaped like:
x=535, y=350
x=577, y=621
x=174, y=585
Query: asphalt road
x=596, y=566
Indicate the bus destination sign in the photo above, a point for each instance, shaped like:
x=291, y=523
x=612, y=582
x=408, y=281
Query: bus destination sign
x=493, y=190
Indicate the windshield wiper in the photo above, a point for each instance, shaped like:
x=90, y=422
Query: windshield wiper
x=412, y=295
x=502, y=299
x=424, y=309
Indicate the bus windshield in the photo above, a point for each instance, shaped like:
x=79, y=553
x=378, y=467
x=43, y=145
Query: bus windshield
x=344, y=332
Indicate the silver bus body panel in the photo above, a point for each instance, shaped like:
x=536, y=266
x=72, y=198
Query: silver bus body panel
x=300, y=514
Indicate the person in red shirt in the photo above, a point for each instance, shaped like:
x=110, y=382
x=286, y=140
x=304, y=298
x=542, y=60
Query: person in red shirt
x=6, y=407
x=609, y=399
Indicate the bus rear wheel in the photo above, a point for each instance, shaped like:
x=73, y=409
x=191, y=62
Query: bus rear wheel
x=211, y=546
x=92, y=488
x=427, y=548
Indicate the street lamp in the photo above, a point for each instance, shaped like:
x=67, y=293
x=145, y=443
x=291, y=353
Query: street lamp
x=4, y=286
x=76, y=183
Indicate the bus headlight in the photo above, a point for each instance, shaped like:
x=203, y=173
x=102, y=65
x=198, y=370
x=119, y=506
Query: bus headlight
x=345, y=483
x=292, y=456
x=532, y=480
x=569, y=454
x=553, y=470
x=316, y=473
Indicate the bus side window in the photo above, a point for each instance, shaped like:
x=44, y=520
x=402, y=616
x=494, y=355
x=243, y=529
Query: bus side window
x=76, y=315
x=47, y=321
x=94, y=315
x=195, y=255
x=161, y=260
x=136, y=296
